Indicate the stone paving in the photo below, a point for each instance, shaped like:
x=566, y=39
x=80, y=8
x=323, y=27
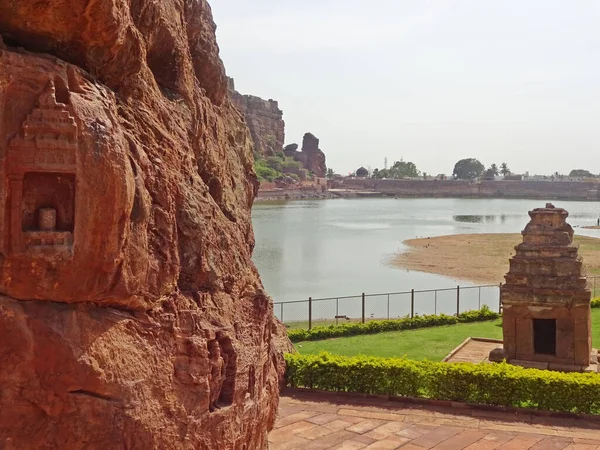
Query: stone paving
x=315, y=421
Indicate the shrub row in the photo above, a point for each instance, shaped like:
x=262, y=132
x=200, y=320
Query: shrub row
x=378, y=326
x=491, y=384
x=595, y=303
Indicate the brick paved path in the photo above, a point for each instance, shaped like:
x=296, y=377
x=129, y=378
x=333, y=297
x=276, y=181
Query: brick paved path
x=320, y=421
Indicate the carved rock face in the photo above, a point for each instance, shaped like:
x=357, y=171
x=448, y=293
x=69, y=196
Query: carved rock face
x=131, y=315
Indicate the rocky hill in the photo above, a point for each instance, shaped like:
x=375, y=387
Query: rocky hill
x=264, y=119
x=311, y=156
x=131, y=315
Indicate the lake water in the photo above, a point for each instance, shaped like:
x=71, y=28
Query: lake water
x=343, y=247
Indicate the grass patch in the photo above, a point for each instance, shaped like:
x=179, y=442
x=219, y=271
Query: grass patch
x=426, y=343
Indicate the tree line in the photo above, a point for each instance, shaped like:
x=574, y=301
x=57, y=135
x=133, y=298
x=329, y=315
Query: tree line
x=465, y=169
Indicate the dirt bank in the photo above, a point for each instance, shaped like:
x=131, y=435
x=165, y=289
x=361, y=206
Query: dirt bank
x=478, y=258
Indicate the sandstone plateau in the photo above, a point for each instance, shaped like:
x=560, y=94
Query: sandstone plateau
x=131, y=315
x=264, y=119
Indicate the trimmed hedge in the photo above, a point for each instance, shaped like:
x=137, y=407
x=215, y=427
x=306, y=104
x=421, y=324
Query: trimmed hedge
x=378, y=326
x=595, y=303
x=490, y=384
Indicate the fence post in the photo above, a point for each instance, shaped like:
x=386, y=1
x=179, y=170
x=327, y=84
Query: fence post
x=388, y=307
x=282, y=313
x=499, y=299
x=457, y=301
x=363, y=307
x=337, y=310
x=309, y=313
x=412, y=303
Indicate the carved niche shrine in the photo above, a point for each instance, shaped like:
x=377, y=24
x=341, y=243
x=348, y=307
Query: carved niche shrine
x=41, y=172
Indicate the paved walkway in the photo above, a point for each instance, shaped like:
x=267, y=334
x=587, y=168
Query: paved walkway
x=311, y=421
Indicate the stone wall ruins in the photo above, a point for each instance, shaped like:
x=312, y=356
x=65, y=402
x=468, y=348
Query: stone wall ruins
x=131, y=315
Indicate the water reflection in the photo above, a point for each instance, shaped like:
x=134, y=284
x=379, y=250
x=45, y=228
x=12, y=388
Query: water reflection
x=494, y=218
x=336, y=247
x=477, y=219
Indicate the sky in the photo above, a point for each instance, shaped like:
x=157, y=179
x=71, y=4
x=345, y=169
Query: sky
x=427, y=81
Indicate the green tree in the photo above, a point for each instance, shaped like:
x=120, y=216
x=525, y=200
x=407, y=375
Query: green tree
x=504, y=170
x=468, y=169
x=330, y=173
x=380, y=173
x=581, y=173
x=403, y=169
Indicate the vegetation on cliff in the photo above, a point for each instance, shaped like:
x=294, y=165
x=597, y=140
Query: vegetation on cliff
x=273, y=167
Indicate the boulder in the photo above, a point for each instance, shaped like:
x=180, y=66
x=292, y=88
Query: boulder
x=131, y=314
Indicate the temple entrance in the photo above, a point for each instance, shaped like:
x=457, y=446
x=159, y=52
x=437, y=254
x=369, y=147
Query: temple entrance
x=544, y=336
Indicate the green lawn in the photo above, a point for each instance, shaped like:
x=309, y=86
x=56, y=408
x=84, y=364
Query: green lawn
x=427, y=343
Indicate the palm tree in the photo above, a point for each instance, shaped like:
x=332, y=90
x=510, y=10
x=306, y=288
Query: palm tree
x=494, y=169
x=504, y=170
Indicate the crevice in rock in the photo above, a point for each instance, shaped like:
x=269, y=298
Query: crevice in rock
x=93, y=395
x=223, y=371
x=251, y=381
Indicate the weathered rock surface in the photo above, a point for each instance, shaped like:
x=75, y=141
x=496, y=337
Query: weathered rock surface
x=131, y=315
x=264, y=119
x=311, y=156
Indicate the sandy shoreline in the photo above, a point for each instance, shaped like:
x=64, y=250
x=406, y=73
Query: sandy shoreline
x=478, y=258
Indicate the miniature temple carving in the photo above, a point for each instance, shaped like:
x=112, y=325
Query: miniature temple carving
x=41, y=172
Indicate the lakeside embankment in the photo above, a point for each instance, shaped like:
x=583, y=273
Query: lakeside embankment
x=478, y=258
x=546, y=190
x=370, y=188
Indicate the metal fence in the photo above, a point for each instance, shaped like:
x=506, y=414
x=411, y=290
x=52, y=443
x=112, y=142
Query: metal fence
x=390, y=305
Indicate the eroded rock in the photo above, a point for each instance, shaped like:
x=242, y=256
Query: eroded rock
x=264, y=119
x=131, y=315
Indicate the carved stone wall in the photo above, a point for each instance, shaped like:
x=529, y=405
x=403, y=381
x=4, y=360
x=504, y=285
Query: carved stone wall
x=41, y=170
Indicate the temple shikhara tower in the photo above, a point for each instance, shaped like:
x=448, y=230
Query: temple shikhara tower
x=41, y=169
x=546, y=304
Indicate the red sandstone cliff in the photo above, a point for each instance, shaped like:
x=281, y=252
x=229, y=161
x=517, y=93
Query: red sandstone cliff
x=131, y=315
x=311, y=156
x=264, y=119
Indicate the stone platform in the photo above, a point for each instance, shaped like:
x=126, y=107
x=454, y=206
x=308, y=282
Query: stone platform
x=473, y=350
x=477, y=350
x=316, y=420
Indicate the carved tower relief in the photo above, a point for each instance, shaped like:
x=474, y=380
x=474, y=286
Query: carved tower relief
x=41, y=172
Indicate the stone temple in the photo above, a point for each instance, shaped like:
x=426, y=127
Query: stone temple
x=546, y=304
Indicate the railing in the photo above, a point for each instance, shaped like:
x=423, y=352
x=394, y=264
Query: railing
x=389, y=305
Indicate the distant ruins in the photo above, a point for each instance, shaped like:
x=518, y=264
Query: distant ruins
x=546, y=304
